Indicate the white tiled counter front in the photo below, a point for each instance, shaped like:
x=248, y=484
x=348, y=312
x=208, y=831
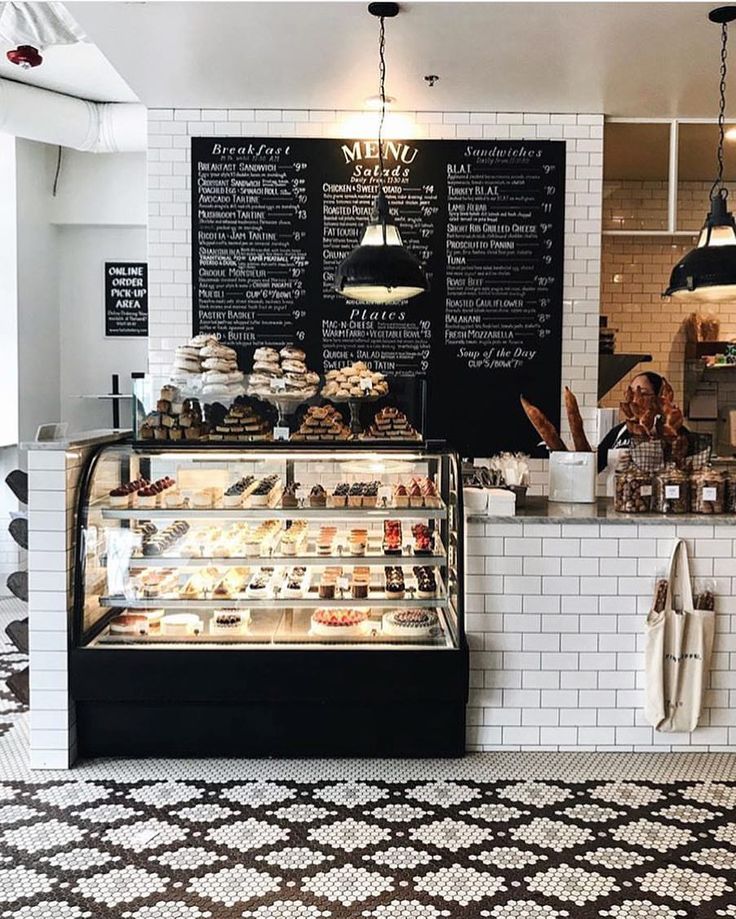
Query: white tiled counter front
x=555, y=613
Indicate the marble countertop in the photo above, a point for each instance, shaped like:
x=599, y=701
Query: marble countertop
x=539, y=509
x=78, y=439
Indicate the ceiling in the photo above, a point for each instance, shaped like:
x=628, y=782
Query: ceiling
x=77, y=70
x=633, y=59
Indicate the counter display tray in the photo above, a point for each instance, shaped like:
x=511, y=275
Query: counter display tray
x=286, y=629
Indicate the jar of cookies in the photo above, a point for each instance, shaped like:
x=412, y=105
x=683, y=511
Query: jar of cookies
x=730, y=478
x=707, y=491
x=633, y=490
x=671, y=491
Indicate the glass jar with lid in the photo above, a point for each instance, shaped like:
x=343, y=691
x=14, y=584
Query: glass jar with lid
x=633, y=490
x=671, y=491
x=707, y=491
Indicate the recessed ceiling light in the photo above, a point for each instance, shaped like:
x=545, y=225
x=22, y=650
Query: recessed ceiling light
x=731, y=134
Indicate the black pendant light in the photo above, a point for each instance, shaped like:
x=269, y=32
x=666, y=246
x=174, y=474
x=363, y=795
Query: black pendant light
x=380, y=269
x=708, y=272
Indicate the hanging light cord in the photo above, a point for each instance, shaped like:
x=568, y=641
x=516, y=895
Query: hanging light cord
x=382, y=90
x=717, y=187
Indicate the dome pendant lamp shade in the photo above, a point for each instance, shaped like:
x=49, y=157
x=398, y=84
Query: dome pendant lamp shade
x=708, y=272
x=380, y=269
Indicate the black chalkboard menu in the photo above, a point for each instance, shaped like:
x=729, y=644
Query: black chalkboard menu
x=126, y=299
x=272, y=219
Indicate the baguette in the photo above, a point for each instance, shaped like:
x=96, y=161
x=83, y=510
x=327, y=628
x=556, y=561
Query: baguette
x=543, y=426
x=579, y=440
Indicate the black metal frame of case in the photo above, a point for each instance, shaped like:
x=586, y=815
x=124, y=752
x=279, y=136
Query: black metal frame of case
x=267, y=701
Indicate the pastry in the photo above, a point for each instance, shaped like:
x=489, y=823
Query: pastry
x=543, y=426
x=411, y=623
x=422, y=539
x=295, y=582
x=123, y=494
x=129, y=624
x=181, y=624
x=357, y=541
x=234, y=494
x=147, y=496
x=416, y=498
x=322, y=422
x=326, y=540
x=229, y=621
x=426, y=582
x=339, y=497
x=391, y=424
x=265, y=492
x=289, y=496
x=580, y=441
x=394, y=583
x=340, y=623
x=400, y=496
x=285, y=371
x=317, y=496
x=354, y=381
x=392, y=537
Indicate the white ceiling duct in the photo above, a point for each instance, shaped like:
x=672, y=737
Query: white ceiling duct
x=53, y=118
x=38, y=24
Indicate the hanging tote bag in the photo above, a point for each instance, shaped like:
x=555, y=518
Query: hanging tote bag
x=678, y=651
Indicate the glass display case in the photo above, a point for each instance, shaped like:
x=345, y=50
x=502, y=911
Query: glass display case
x=273, y=600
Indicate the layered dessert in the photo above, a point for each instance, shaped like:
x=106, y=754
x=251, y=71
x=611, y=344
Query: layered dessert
x=138, y=622
x=340, y=623
x=147, y=496
x=392, y=537
x=411, y=623
x=289, y=496
x=426, y=582
x=394, y=586
x=234, y=494
x=317, y=496
x=156, y=542
x=123, y=494
x=265, y=493
x=296, y=582
x=293, y=539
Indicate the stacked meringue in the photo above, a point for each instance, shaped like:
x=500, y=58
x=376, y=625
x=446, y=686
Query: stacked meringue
x=282, y=371
x=205, y=364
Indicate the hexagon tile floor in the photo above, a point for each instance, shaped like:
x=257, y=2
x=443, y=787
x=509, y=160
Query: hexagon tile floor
x=509, y=836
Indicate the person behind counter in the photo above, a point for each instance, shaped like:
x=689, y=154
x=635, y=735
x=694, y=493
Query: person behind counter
x=619, y=437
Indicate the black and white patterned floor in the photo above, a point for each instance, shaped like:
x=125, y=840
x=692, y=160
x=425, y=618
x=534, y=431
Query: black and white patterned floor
x=508, y=836
x=285, y=850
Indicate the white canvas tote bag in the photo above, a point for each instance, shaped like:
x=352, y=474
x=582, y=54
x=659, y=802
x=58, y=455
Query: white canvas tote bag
x=678, y=651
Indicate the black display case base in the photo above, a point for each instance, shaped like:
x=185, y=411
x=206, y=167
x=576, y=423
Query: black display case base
x=266, y=729
x=287, y=703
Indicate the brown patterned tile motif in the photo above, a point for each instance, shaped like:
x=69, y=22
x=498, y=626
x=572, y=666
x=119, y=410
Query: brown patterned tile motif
x=430, y=849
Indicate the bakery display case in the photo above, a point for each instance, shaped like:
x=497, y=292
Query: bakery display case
x=282, y=599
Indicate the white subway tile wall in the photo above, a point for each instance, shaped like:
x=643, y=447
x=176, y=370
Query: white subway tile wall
x=53, y=478
x=557, y=653
x=169, y=229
